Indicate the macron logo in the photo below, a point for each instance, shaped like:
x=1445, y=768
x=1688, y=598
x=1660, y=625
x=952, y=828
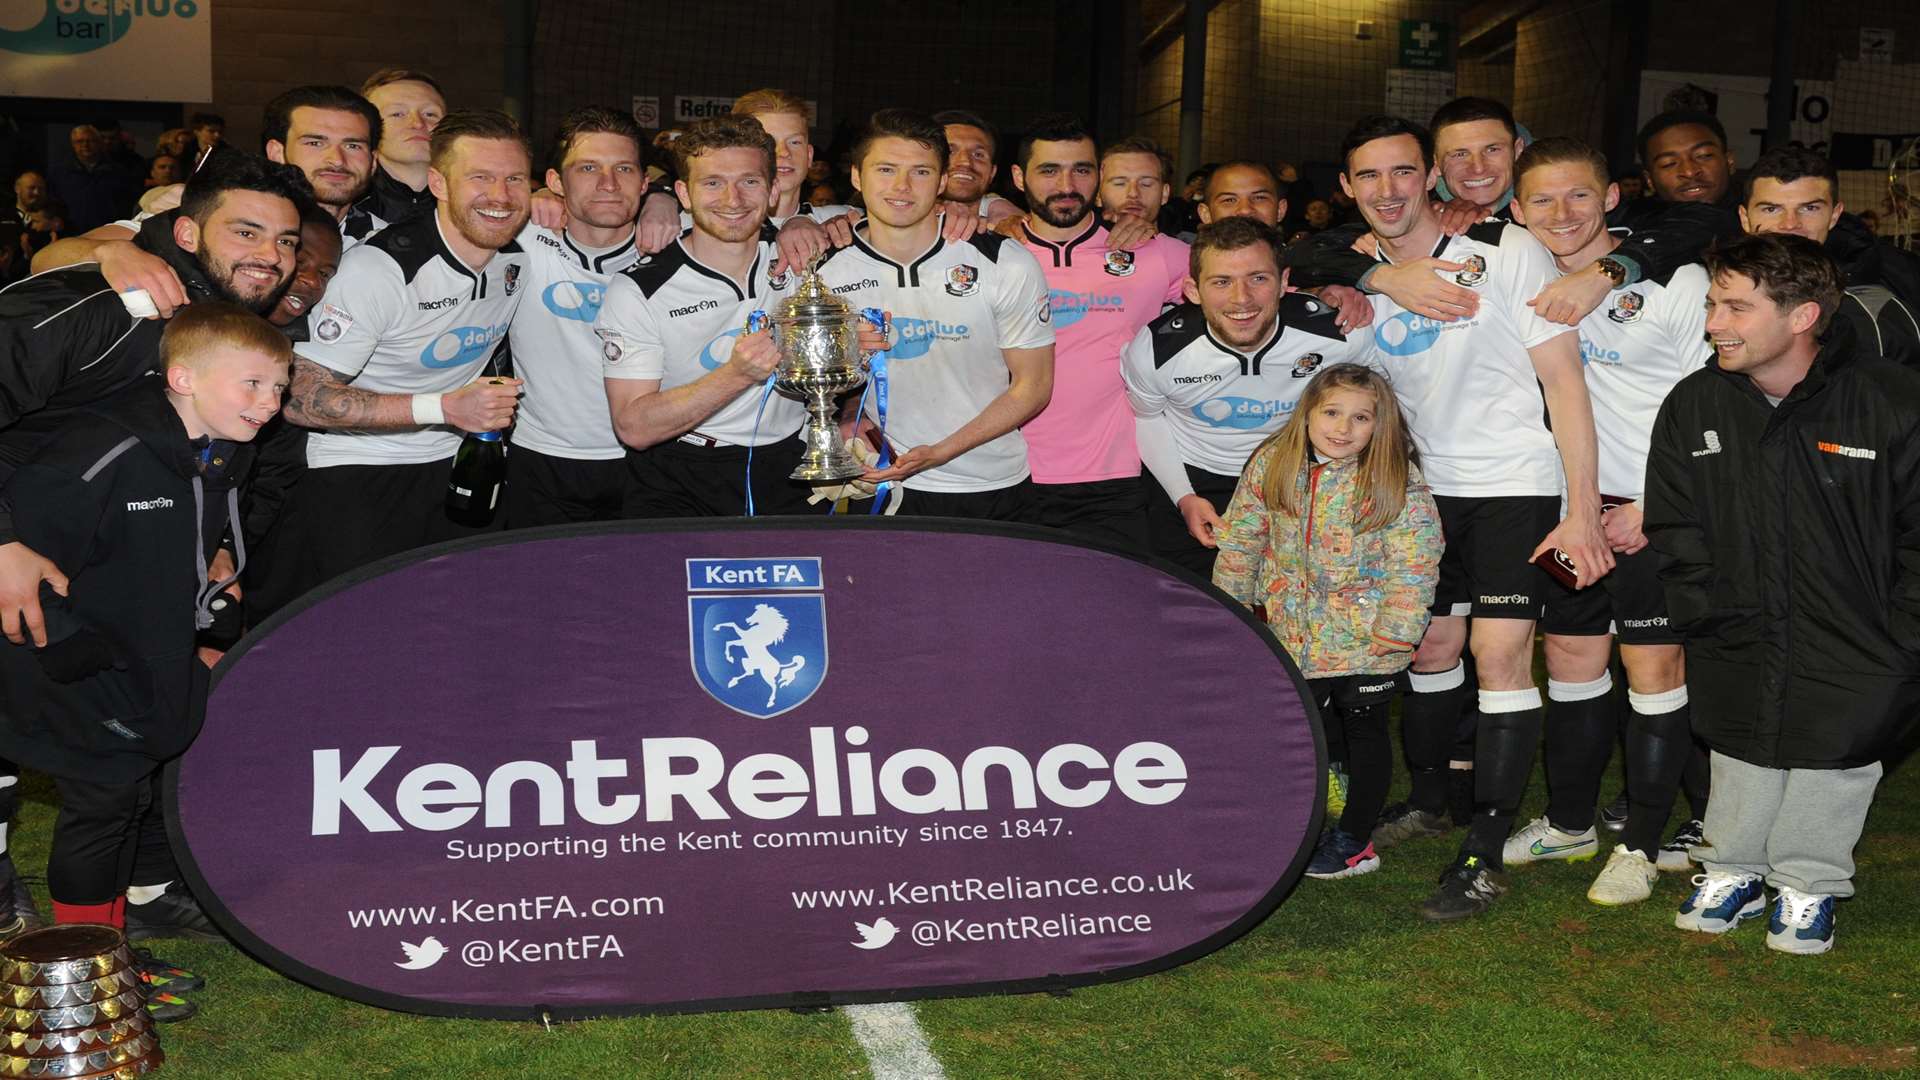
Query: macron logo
x=160, y=503
x=1712, y=439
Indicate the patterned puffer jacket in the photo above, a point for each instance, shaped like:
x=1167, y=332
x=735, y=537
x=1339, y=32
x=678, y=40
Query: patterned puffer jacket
x=1329, y=592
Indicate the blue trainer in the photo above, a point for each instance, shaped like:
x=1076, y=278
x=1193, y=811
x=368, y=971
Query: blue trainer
x=1340, y=855
x=1802, y=923
x=1721, y=902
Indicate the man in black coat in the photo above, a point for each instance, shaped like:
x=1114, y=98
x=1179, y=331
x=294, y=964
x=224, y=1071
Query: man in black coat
x=67, y=341
x=1783, y=496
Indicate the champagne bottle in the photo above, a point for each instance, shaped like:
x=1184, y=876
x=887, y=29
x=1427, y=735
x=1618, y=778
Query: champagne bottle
x=479, y=472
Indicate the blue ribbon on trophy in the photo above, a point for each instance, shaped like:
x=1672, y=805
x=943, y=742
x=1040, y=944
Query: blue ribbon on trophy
x=877, y=386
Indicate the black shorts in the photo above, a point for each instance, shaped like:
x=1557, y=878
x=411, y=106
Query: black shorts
x=1111, y=511
x=341, y=517
x=543, y=489
x=1628, y=603
x=1485, y=571
x=677, y=479
x=1167, y=534
x=1356, y=691
x=1011, y=503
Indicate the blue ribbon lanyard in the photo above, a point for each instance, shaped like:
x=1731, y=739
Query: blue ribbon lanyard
x=877, y=382
x=756, y=322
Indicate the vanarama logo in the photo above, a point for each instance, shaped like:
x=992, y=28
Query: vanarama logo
x=681, y=775
x=70, y=27
x=1847, y=451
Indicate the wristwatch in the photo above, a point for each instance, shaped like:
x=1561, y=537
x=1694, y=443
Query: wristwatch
x=1615, y=270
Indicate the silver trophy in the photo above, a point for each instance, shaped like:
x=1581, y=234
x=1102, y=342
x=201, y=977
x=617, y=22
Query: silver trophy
x=818, y=338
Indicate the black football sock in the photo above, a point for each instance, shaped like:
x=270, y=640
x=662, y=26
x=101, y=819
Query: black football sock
x=1580, y=726
x=1659, y=742
x=1427, y=719
x=1510, y=723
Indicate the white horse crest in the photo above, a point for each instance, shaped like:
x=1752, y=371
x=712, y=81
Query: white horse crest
x=765, y=628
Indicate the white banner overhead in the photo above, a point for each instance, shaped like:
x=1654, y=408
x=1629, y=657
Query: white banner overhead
x=113, y=50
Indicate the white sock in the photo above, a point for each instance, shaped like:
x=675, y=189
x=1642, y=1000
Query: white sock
x=1434, y=682
x=1506, y=701
x=1580, y=691
x=1665, y=701
x=146, y=894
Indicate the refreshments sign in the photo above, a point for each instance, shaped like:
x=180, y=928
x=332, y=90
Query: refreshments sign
x=702, y=765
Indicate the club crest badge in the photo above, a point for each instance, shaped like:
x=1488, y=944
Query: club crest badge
x=1120, y=263
x=781, y=280
x=513, y=277
x=963, y=280
x=1627, y=307
x=757, y=632
x=1474, y=272
x=1307, y=365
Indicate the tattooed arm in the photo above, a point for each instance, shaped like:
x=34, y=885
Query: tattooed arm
x=322, y=399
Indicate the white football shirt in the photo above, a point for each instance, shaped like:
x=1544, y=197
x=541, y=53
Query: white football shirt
x=1217, y=403
x=405, y=316
x=563, y=412
x=1468, y=387
x=675, y=319
x=1634, y=347
x=954, y=309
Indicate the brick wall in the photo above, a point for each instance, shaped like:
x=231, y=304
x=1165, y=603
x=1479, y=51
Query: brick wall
x=261, y=47
x=1284, y=80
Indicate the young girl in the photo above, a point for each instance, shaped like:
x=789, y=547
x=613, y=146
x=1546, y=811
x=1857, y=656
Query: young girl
x=1334, y=534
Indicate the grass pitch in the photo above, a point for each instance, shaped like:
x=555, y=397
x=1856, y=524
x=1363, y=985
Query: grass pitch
x=1344, y=980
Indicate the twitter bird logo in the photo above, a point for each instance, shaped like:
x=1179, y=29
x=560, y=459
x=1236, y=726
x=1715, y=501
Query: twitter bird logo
x=876, y=936
x=428, y=953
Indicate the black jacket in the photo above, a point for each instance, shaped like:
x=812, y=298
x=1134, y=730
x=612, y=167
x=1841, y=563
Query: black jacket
x=67, y=341
x=131, y=512
x=1883, y=290
x=1789, y=545
x=387, y=202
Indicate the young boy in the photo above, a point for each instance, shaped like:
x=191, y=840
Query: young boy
x=130, y=499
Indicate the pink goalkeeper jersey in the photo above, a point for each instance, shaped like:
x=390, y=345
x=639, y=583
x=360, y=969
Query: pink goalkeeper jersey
x=1101, y=299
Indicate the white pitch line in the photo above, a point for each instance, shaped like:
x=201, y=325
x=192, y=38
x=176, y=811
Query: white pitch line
x=896, y=1047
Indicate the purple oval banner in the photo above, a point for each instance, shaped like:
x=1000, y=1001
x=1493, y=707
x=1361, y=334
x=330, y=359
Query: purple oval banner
x=703, y=765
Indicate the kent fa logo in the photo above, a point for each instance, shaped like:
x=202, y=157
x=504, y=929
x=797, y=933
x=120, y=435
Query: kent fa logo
x=758, y=642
